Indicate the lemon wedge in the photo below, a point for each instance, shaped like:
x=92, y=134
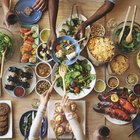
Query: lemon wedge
x=114, y=98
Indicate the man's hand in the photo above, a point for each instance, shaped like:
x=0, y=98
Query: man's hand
x=40, y=5
x=81, y=31
x=51, y=40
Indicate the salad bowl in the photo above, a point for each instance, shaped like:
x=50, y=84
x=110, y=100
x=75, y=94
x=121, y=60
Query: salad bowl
x=61, y=51
x=78, y=83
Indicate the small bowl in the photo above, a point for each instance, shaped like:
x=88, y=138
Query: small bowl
x=42, y=86
x=19, y=91
x=43, y=53
x=43, y=70
x=113, y=82
x=136, y=89
x=132, y=79
x=44, y=34
x=100, y=85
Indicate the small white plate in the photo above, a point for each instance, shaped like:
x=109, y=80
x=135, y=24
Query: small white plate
x=9, y=134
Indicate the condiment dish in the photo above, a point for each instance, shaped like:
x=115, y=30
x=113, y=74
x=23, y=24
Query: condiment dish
x=100, y=86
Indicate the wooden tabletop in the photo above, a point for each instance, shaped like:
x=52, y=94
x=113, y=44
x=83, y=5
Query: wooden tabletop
x=93, y=119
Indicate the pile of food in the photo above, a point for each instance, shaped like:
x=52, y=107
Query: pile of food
x=64, y=52
x=101, y=49
x=119, y=64
x=123, y=45
x=30, y=42
x=5, y=42
x=118, y=103
x=4, y=118
x=59, y=123
x=18, y=77
x=78, y=77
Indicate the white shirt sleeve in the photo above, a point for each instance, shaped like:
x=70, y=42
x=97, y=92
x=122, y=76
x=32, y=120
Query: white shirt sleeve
x=36, y=125
x=113, y=1
x=76, y=127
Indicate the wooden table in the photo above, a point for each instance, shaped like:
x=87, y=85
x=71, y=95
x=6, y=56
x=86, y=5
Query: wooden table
x=93, y=120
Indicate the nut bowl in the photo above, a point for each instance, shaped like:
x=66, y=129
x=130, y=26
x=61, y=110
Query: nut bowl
x=100, y=50
x=42, y=86
x=123, y=46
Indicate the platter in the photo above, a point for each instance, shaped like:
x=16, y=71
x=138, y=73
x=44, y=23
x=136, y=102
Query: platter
x=81, y=106
x=32, y=81
x=10, y=130
x=22, y=17
x=66, y=22
x=85, y=91
x=30, y=41
x=29, y=114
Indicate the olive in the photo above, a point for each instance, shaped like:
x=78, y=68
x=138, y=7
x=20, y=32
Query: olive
x=73, y=84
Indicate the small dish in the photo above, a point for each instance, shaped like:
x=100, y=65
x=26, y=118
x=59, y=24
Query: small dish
x=19, y=91
x=100, y=86
x=42, y=86
x=131, y=79
x=136, y=89
x=44, y=34
x=43, y=53
x=43, y=70
x=113, y=82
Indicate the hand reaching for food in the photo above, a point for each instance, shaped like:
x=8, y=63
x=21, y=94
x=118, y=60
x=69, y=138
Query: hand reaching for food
x=65, y=103
x=80, y=32
x=44, y=98
x=40, y=5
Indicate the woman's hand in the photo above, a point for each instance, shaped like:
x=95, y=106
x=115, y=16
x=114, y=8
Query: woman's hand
x=44, y=98
x=65, y=103
x=40, y=5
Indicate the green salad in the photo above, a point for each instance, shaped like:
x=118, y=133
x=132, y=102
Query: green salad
x=78, y=77
x=5, y=41
x=125, y=47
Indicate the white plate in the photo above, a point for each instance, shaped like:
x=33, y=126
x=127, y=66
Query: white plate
x=84, y=92
x=9, y=134
x=119, y=122
x=82, y=114
x=20, y=66
x=87, y=31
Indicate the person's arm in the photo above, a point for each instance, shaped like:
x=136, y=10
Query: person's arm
x=36, y=126
x=73, y=121
x=102, y=11
x=6, y=6
x=53, y=10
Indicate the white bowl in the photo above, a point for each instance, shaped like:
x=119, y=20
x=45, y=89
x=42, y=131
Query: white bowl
x=40, y=50
x=98, y=83
x=115, y=82
x=41, y=89
x=42, y=68
x=44, y=32
x=132, y=79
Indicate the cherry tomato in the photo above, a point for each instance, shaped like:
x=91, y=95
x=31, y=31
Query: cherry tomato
x=57, y=48
x=76, y=89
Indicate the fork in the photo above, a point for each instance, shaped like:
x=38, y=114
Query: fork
x=25, y=122
x=62, y=73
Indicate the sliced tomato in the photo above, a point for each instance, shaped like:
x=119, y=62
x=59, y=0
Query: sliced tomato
x=58, y=48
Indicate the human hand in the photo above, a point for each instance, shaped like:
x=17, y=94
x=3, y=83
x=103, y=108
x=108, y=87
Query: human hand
x=44, y=98
x=96, y=135
x=65, y=103
x=40, y=5
x=51, y=40
x=81, y=31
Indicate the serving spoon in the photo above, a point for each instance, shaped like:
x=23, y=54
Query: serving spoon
x=122, y=31
x=1, y=72
x=129, y=37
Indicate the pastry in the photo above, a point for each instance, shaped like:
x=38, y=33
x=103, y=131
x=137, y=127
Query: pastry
x=4, y=109
x=59, y=130
x=73, y=107
x=59, y=118
x=58, y=108
x=68, y=128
